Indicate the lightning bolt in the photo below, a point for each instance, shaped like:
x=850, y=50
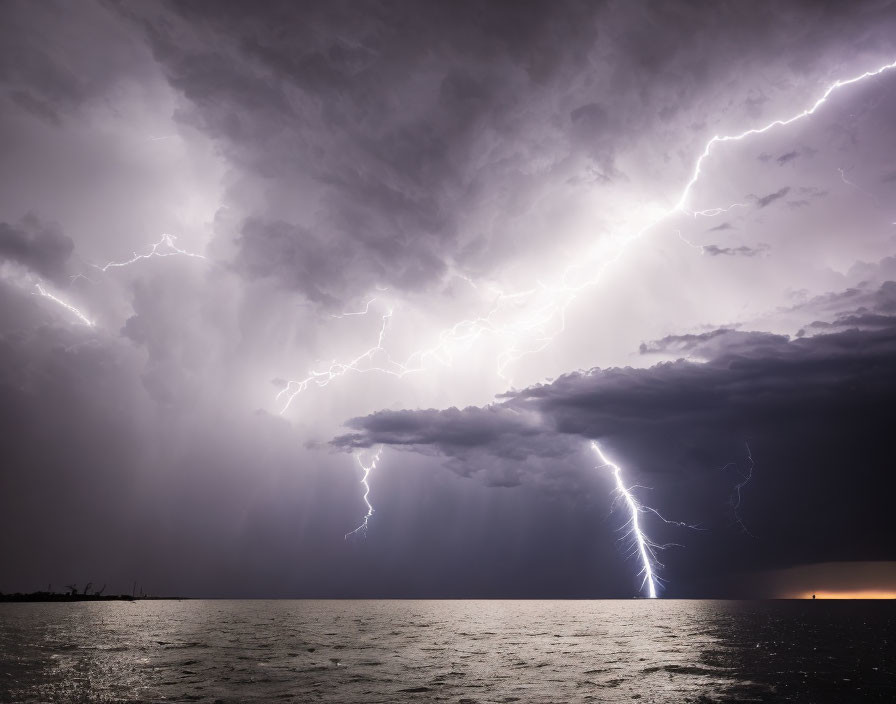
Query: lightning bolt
x=41, y=291
x=644, y=546
x=367, y=469
x=165, y=247
x=545, y=305
x=364, y=311
x=781, y=122
x=736, y=493
x=547, y=319
x=323, y=377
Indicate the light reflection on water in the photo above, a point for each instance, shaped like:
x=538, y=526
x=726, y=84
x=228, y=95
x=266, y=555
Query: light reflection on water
x=457, y=651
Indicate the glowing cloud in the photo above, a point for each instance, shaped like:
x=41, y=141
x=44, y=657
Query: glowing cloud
x=536, y=316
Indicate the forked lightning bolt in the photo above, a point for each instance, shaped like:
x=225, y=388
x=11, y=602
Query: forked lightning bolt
x=165, y=247
x=532, y=333
x=781, y=122
x=367, y=469
x=323, y=377
x=544, y=307
x=643, y=545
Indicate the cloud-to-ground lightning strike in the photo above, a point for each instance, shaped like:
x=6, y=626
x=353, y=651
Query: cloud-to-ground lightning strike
x=165, y=247
x=736, y=495
x=546, y=313
x=41, y=291
x=367, y=469
x=644, y=547
x=545, y=306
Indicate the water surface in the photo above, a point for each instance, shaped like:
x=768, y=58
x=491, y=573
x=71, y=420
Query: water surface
x=453, y=651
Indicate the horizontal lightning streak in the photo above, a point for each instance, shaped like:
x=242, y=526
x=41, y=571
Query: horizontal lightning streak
x=364, y=311
x=544, y=306
x=165, y=247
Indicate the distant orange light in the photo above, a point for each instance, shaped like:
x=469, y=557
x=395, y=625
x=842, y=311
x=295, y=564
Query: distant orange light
x=866, y=594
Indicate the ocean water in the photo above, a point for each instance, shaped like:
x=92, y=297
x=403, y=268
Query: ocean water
x=452, y=651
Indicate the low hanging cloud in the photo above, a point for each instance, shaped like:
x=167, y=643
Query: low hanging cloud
x=812, y=412
x=751, y=384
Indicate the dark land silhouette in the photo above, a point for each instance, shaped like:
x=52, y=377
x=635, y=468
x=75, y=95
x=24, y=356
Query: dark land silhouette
x=73, y=593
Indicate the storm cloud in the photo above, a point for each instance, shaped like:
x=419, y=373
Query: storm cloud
x=810, y=410
x=747, y=382
x=426, y=216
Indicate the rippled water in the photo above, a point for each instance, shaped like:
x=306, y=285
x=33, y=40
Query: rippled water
x=455, y=651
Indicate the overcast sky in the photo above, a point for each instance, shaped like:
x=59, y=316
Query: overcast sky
x=245, y=245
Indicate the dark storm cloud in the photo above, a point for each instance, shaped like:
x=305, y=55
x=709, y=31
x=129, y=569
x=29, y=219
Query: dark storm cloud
x=389, y=143
x=49, y=74
x=38, y=246
x=723, y=226
x=765, y=201
x=293, y=255
x=410, y=129
x=873, y=293
x=875, y=309
x=813, y=411
x=374, y=112
x=749, y=379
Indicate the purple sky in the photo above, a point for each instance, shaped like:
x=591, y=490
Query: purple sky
x=453, y=230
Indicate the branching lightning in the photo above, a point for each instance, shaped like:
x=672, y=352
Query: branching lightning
x=645, y=548
x=367, y=469
x=41, y=291
x=545, y=317
x=781, y=122
x=323, y=377
x=165, y=247
x=736, y=493
x=538, y=315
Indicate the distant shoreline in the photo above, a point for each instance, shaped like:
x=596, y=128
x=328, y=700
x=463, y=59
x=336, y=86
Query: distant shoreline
x=54, y=597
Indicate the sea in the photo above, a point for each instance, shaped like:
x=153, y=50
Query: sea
x=463, y=651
